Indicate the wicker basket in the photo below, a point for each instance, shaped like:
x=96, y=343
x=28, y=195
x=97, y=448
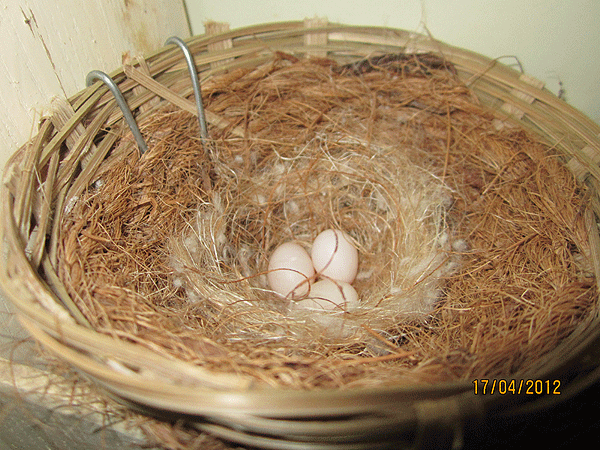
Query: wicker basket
x=40, y=178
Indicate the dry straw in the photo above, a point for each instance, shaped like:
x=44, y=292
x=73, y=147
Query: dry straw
x=470, y=192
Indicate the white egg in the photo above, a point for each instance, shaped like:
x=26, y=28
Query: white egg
x=329, y=295
x=334, y=256
x=290, y=270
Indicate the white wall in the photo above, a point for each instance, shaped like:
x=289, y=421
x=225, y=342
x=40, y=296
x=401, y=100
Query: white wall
x=47, y=47
x=553, y=39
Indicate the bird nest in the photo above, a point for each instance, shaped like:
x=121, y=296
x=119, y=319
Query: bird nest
x=469, y=193
x=473, y=252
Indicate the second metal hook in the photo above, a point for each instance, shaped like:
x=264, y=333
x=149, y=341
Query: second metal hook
x=195, y=85
x=109, y=82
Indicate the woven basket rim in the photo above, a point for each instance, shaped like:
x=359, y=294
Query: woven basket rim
x=512, y=96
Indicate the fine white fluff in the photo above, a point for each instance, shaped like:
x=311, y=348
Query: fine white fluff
x=394, y=211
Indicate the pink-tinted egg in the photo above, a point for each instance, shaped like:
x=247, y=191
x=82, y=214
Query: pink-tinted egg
x=334, y=256
x=290, y=271
x=329, y=295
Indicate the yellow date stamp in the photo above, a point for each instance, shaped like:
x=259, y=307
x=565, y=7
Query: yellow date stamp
x=487, y=386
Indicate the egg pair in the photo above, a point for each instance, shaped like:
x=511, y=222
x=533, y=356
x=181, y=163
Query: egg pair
x=333, y=258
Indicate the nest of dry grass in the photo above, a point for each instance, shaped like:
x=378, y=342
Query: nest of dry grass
x=474, y=253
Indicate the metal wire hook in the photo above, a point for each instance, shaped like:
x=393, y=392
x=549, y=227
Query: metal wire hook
x=109, y=82
x=195, y=84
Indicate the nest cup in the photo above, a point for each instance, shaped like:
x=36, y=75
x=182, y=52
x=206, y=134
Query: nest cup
x=192, y=330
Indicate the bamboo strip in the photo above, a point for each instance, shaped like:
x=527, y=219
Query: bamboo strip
x=179, y=101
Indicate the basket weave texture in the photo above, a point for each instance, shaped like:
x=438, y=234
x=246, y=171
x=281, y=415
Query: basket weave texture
x=70, y=150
